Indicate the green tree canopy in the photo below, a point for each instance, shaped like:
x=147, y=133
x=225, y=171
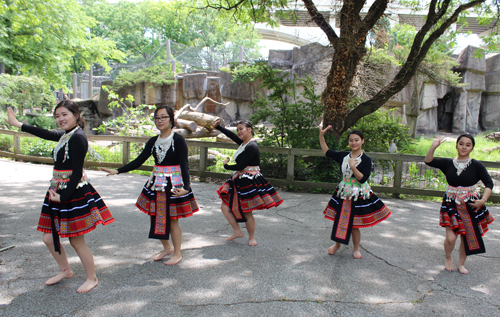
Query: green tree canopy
x=41, y=37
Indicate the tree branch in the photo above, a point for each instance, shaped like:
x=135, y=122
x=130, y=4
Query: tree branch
x=320, y=21
x=417, y=54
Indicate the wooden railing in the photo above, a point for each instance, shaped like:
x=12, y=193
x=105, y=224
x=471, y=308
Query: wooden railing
x=396, y=189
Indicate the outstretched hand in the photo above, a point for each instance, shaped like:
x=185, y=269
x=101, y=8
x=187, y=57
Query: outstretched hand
x=216, y=122
x=323, y=131
x=438, y=141
x=109, y=171
x=11, y=118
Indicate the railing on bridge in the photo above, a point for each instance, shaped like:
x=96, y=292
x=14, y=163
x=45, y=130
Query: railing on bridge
x=393, y=173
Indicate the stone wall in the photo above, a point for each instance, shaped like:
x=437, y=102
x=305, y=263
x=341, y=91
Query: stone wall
x=426, y=107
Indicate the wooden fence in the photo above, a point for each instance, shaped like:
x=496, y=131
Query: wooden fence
x=396, y=189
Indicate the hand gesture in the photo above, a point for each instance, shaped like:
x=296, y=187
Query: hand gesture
x=226, y=161
x=216, y=122
x=177, y=192
x=438, y=141
x=109, y=171
x=476, y=204
x=322, y=132
x=53, y=196
x=352, y=163
x=11, y=118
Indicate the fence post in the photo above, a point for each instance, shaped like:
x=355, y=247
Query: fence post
x=125, y=152
x=290, y=167
x=17, y=145
x=398, y=177
x=203, y=162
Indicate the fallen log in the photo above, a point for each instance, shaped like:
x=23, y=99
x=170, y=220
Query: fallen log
x=186, y=124
x=493, y=136
x=200, y=132
x=201, y=119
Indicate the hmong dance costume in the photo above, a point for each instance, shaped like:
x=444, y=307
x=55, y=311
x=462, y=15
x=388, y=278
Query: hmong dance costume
x=246, y=190
x=171, y=171
x=456, y=213
x=81, y=208
x=353, y=204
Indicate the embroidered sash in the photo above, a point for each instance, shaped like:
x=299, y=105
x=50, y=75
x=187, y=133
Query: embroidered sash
x=473, y=241
x=249, y=172
x=461, y=194
x=60, y=180
x=161, y=175
x=342, y=227
x=161, y=178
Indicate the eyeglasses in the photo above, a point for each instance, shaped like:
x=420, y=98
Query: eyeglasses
x=161, y=119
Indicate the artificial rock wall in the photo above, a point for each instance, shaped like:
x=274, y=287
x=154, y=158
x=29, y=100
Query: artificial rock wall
x=425, y=106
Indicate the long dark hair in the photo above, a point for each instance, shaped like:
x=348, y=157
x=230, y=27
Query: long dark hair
x=467, y=135
x=73, y=108
x=247, y=124
x=170, y=113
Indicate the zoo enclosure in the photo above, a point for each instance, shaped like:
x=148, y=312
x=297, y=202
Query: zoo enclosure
x=401, y=178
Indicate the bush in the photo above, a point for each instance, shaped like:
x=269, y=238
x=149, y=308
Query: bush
x=380, y=129
x=5, y=143
x=37, y=147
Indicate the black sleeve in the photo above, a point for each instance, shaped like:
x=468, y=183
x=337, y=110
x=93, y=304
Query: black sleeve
x=484, y=176
x=145, y=154
x=77, y=148
x=337, y=156
x=229, y=134
x=181, y=148
x=42, y=133
x=439, y=163
x=366, y=168
x=244, y=159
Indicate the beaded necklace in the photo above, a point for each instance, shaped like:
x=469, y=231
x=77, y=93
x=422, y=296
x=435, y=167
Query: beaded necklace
x=461, y=165
x=63, y=142
x=163, y=145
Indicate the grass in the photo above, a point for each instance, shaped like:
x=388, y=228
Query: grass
x=447, y=149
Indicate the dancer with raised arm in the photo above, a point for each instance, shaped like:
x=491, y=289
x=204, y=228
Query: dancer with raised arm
x=167, y=195
x=353, y=204
x=462, y=211
x=246, y=190
x=72, y=207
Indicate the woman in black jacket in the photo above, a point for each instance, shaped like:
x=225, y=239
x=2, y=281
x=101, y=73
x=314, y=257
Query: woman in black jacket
x=353, y=204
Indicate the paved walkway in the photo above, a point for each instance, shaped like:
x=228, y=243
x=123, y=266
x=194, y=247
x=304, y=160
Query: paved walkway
x=288, y=274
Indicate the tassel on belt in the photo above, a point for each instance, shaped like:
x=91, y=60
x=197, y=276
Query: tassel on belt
x=160, y=177
x=60, y=179
x=461, y=194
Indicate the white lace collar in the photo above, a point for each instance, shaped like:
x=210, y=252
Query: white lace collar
x=163, y=145
x=63, y=143
x=461, y=165
x=346, y=169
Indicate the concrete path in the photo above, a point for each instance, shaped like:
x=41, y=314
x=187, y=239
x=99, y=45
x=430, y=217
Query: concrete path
x=288, y=274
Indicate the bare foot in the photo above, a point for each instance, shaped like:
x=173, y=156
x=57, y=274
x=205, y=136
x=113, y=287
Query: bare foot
x=449, y=266
x=334, y=248
x=235, y=236
x=163, y=254
x=173, y=260
x=87, y=286
x=357, y=255
x=252, y=242
x=67, y=273
x=462, y=269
